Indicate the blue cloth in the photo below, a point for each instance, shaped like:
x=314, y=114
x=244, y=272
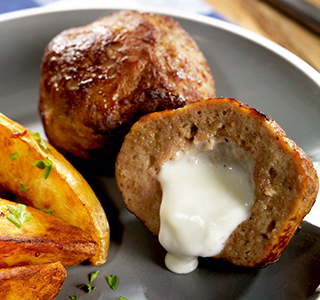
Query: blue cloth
x=12, y=5
x=196, y=6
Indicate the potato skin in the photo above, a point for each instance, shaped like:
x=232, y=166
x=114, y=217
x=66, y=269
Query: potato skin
x=97, y=80
x=65, y=191
x=38, y=282
x=44, y=239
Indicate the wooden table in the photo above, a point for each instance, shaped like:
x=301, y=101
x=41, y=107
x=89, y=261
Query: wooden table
x=266, y=20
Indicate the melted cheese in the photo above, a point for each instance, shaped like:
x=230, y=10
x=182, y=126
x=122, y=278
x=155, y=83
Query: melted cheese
x=205, y=197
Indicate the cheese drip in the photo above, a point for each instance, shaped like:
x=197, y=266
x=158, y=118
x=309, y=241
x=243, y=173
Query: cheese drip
x=205, y=197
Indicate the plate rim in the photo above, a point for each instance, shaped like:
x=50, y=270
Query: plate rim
x=233, y=28
x=288, y=56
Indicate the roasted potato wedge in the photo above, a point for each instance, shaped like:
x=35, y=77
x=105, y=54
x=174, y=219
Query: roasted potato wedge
x=64, y=191
x=43, y=239
x=32, y=282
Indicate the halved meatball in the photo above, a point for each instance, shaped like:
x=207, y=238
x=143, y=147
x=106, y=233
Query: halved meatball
x=285, y=181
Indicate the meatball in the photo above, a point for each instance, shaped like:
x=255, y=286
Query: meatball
x=285, y=185
x=99, y=79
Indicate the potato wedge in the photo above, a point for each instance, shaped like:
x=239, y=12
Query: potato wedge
x=32, y=282
x=43, y=239
x=65, y=191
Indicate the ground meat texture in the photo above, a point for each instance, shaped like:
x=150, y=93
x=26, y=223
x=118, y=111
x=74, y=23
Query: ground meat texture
x=286, y=183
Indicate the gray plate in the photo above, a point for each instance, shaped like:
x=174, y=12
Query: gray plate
x=245, y=66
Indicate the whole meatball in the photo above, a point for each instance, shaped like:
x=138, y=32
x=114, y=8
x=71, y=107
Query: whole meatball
x=99, y=79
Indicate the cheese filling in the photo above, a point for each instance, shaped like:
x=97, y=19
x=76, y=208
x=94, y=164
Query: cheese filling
x=206, y=195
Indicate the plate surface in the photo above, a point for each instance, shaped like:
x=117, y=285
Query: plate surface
x=246, y=67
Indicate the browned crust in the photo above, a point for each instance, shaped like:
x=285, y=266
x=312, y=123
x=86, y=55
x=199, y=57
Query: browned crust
x=286, y=184
x=39, y=282
x=97, y=80
x=44, y=239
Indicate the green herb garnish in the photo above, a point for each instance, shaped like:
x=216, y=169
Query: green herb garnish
x=41, y=142
x=14, y=156
x=93, y=276
x=23, y=187
x=18, y=215
x=45, y=165
x=123, y=298
x=87, y=288
x=113, y=281
x=74, y=298
x=47, y=211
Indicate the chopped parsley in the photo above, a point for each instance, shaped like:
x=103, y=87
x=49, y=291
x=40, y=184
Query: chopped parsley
x=18, y=215
x=93, y=276
x=113, y=281
x=23, y=187
x=123, y=298
x=47, y=211
x=45, y=165
x=87, y=288
x=14, y=156
x=41, y=142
